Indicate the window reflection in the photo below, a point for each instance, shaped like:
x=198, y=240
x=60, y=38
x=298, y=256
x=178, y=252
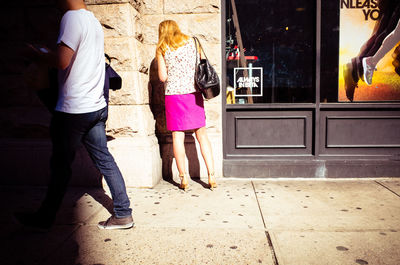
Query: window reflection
x=270, y=51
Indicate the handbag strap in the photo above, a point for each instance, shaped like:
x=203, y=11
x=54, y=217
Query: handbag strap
x=108, y=58
x=196, y=40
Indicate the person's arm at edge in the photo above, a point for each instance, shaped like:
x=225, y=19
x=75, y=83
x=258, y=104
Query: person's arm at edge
x=61, y=58
x=162, y=68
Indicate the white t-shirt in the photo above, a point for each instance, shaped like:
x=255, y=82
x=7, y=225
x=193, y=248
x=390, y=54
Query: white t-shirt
x=81, y=84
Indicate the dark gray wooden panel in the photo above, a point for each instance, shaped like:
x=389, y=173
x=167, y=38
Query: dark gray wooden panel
x=360, y=133
x=270, y=132
x=353, y=131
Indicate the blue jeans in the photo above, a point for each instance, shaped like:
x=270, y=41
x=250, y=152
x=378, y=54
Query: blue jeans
x=68, y=132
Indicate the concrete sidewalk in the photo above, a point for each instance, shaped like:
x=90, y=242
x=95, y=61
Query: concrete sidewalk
x=289, y=222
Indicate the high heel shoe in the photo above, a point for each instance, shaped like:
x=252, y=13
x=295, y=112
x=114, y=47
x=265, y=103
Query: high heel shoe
x=211, y=181
x=184, y=182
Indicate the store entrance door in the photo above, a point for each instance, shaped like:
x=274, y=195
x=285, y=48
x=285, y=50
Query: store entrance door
x=270, y=85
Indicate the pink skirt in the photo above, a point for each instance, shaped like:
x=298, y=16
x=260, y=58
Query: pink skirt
x=185, y=112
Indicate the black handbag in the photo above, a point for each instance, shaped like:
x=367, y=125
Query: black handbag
x=205, y=77
x=112, y=79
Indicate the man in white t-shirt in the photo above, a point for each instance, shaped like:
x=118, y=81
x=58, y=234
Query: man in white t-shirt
x=80, y=116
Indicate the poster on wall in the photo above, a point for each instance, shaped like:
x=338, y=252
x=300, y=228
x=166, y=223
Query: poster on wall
x=369, y=50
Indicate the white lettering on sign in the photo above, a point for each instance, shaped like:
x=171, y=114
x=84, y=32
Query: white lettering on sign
x=248, y=81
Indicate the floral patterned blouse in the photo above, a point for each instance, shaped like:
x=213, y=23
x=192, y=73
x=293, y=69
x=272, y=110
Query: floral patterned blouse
x=180, y=65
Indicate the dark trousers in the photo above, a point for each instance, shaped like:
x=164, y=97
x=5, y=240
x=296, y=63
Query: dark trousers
x=68, y=132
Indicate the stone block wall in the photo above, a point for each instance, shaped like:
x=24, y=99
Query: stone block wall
x=130, y=122
x=140, y=143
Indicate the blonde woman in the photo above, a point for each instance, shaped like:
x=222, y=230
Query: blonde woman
x=184, y=106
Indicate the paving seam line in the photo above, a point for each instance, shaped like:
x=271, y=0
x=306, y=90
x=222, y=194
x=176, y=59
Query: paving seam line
x=271, y=246
x=398, y=195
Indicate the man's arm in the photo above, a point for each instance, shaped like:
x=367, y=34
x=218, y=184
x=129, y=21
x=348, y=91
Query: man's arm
x=64, y=56
x=61, y=58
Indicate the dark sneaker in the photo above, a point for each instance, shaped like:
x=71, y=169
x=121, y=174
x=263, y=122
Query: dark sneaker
x=116, y=223
x=349, y=83
x=35, y=220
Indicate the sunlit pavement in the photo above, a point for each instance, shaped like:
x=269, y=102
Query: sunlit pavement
x=246, y=221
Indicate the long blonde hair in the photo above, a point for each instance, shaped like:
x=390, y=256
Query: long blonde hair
x=170, y=36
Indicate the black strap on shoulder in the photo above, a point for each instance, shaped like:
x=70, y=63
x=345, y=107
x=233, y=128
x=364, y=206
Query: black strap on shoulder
x=196, y=40
x=108, y=58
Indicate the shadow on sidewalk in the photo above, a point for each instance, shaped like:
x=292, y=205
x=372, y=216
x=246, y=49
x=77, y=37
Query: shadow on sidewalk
x=61, y=243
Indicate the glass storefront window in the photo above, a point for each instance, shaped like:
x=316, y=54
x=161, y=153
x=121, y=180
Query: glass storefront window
x=350, y=32
x=270, y=51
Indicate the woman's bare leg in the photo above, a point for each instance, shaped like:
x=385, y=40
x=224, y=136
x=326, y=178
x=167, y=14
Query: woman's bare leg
x=205, y=148
x=178, y=143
